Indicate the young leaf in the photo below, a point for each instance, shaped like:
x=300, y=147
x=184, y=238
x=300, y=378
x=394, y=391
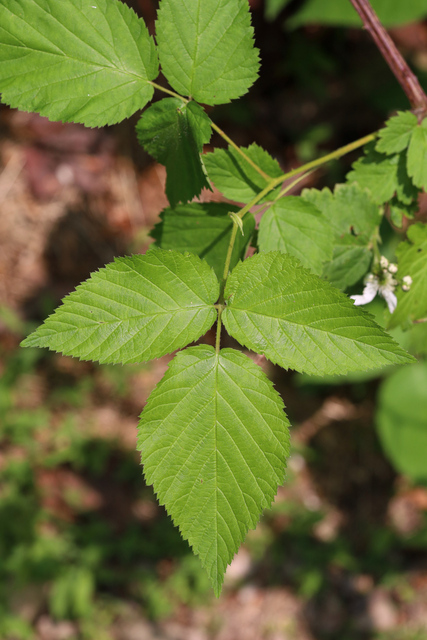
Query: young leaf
x=214, y=441
x=396, y=134
x=376, y=172
x=204, y=229
x=89, y=61
x=206, y=48
x=278, y=308
x=235, y=177
x=412, y=261
x=349, y=207
x=349, y=210
x=417, y=156
x=135, y=309
x=174, y=133
x=293, y=225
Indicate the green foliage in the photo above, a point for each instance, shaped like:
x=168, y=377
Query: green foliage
x=396, y=134
x=174, y=132
x=348, y=208
x=293, y=225
x=206, y=48
x=412, y=257
x=213, y=436
x=204, y=229
x=353, y=218
x=85, y=61
x=417, y=155
x=214, y=442
x=401, y=419
x=377, y=172
x=336, y=12
x=301, y=322
x=136, y=309
x=235, y=177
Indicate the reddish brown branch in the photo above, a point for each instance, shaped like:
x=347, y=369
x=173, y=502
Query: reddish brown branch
x=407, y=80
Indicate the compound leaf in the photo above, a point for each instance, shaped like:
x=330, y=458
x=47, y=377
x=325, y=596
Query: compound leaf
x=135, y=309
x=277, y=308
x=294, y=225
x=412, y=261
x=214, y=441
x=417, y=156
x=174, y=133
x=235, y=177
x=88, y=61
x=205, y=229
x=396, y=134
x=206, y=48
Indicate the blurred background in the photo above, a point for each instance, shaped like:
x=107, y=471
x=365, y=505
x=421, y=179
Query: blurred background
x=86, y=553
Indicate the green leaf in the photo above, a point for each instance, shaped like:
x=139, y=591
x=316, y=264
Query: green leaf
x=236, y=178
x=88, y=61
x=399, y=209
x=277, y=308
x=293, y=225
x=204, y=229
x=349, y=210
x=406, y=191
x=418, y=338
x=417, y=156
x=396, y=134
x=206, y=48
x=401, y=419
x=350, y=261
x=135, y=309
x=214, y=441
x=376, y=172
x=174, y=133
x=412, y=261
x=339, y=13
x=349, y=207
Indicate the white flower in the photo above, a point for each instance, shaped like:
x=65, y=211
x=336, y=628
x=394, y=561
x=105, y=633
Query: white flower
x=384, y=288
x=407, y=280
x=392, y=268
x=383, y=262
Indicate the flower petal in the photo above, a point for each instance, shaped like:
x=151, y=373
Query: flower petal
x=369, y=293
x=390, y=298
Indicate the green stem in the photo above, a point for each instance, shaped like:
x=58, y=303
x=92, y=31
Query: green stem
x=290, y=186
x=240, y=151
x=218, y=130
x=218, y=332
x=168, y=91
x=307, y=167
x=228, y=260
